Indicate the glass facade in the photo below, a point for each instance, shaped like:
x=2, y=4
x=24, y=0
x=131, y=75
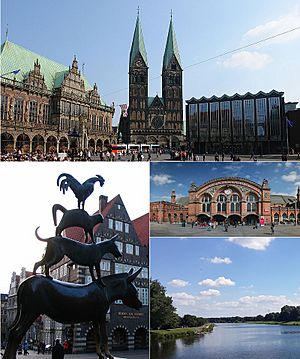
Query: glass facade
x=214, y=121
x=261, y=118
x=239, y=122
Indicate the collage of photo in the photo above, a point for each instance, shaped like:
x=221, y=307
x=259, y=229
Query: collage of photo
x=150, y=165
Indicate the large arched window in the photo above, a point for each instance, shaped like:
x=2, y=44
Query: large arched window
x=206, y=203
x=251, y=203
x=221, y=207
x=235, y=203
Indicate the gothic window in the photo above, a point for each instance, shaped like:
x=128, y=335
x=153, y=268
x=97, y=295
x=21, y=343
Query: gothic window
x=32, y=111
x=235, y=203
x=142, y=91
x=177, y=81
x=221, y=205
x=133, y=115
x=206, y=203
x=251, y=203
x=94, y=122
x=46, y=109
x=138, y=116
x=4, y=107
x=18, y=109
x=173, y=66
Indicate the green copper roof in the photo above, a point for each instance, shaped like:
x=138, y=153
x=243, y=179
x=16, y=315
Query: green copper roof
x=15, y=57
x=151, y=99
x=171, y=47
x=138, y=45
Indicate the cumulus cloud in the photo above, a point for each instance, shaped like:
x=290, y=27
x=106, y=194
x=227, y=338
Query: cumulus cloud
x=161, y=179
x=276, y=26
x=184, y=299
x=218, y=260
x=210, y=293
x=219, y=282
x=178, y=283
x=256, y=243
x=293, y=176
x=252, y=60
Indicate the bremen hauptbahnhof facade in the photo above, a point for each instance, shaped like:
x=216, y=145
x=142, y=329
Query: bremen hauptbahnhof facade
x=232, y=199
x=250, y=123
x=49, y=107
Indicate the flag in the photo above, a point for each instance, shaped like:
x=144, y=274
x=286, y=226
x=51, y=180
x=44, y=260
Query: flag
x=15, y=72
x=124, y=110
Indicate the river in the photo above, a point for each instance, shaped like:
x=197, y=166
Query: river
x=234, y=341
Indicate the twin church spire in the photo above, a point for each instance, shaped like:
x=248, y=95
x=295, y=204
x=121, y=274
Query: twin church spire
x=138, y=46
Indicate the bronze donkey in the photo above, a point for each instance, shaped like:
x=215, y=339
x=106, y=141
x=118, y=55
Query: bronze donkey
x=71, y=303
x=83, y=254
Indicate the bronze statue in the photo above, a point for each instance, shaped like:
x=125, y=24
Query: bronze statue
x=71, y=303
x=83, y=254
x=76, y=218
x=81, y=191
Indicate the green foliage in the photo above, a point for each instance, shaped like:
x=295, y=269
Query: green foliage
x=162, y=312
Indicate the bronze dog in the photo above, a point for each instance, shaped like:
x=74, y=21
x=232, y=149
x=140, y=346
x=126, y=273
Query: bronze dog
x=83, y=254
x=76, y=218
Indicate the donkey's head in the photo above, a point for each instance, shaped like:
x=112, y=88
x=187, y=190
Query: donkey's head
x=113, y=248
x=130, y=297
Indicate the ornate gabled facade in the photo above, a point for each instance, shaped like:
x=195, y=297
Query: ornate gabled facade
x=232, y=199
x=49, y=107
x=154, y=120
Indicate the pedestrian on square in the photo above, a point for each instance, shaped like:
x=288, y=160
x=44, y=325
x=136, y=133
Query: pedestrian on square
x=203, y=157
x=25, y=348
x=272, y=228
x=58, y=350
x=226, y=226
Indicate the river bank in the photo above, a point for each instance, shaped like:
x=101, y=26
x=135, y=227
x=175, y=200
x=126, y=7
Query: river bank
x=166, y=334
x=273, y=323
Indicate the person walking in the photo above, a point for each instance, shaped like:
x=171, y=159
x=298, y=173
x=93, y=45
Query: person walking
x=25, y=348
x=57, y=350
x=272, y=228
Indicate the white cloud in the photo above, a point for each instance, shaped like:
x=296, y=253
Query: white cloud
x=161, y=179
x=276, y=26
x=291, y=177
x=219, y=282
x=252, y=60
x=256, y=243
x=178, y=283
x=210, y=293
x=184, y=299
x=218, y=260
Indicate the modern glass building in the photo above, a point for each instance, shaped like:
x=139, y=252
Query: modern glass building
x=238, y=124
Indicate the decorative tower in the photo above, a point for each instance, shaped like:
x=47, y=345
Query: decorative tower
x=138, y=83
x=173, y=197
x=265, y=211
x=172, y=82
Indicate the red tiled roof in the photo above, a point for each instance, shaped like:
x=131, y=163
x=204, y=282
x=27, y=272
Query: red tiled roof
x=141, y=226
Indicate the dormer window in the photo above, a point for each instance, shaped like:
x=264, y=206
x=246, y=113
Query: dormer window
x=173, y=67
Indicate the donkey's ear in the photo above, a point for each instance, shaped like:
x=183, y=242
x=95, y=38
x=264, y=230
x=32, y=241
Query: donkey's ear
x=131, y=277
x=114, y=238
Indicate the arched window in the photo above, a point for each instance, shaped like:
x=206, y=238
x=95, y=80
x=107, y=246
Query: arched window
x=251, y=203
x=235, y=203
x=206, y=203
x=221, y=206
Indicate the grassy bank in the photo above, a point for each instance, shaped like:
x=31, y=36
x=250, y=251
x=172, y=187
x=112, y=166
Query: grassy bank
x=180, y=332
x=274, y=323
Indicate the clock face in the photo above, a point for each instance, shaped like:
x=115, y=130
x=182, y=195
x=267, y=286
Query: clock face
x=139, y=63
x=157, y=122
x=227, y=191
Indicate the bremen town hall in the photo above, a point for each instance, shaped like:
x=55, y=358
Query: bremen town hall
x=49, y=107
x=153, y=120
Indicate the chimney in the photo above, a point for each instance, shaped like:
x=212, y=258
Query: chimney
x=102, y=203
x=173, y=197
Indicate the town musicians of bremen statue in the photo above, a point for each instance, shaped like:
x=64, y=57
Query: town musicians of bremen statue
x=70, y=303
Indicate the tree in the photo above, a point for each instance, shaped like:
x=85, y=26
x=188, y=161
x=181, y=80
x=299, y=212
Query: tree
x=162, y=312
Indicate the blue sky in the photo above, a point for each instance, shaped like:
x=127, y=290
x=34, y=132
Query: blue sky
x=100, y=34
x=167, y=176
x=227, y=277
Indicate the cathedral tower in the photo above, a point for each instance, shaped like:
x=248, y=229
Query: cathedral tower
x=172, y=82
x=138, y=82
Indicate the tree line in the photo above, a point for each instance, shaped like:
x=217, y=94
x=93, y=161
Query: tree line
x=163, y=314
x=287, y=314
